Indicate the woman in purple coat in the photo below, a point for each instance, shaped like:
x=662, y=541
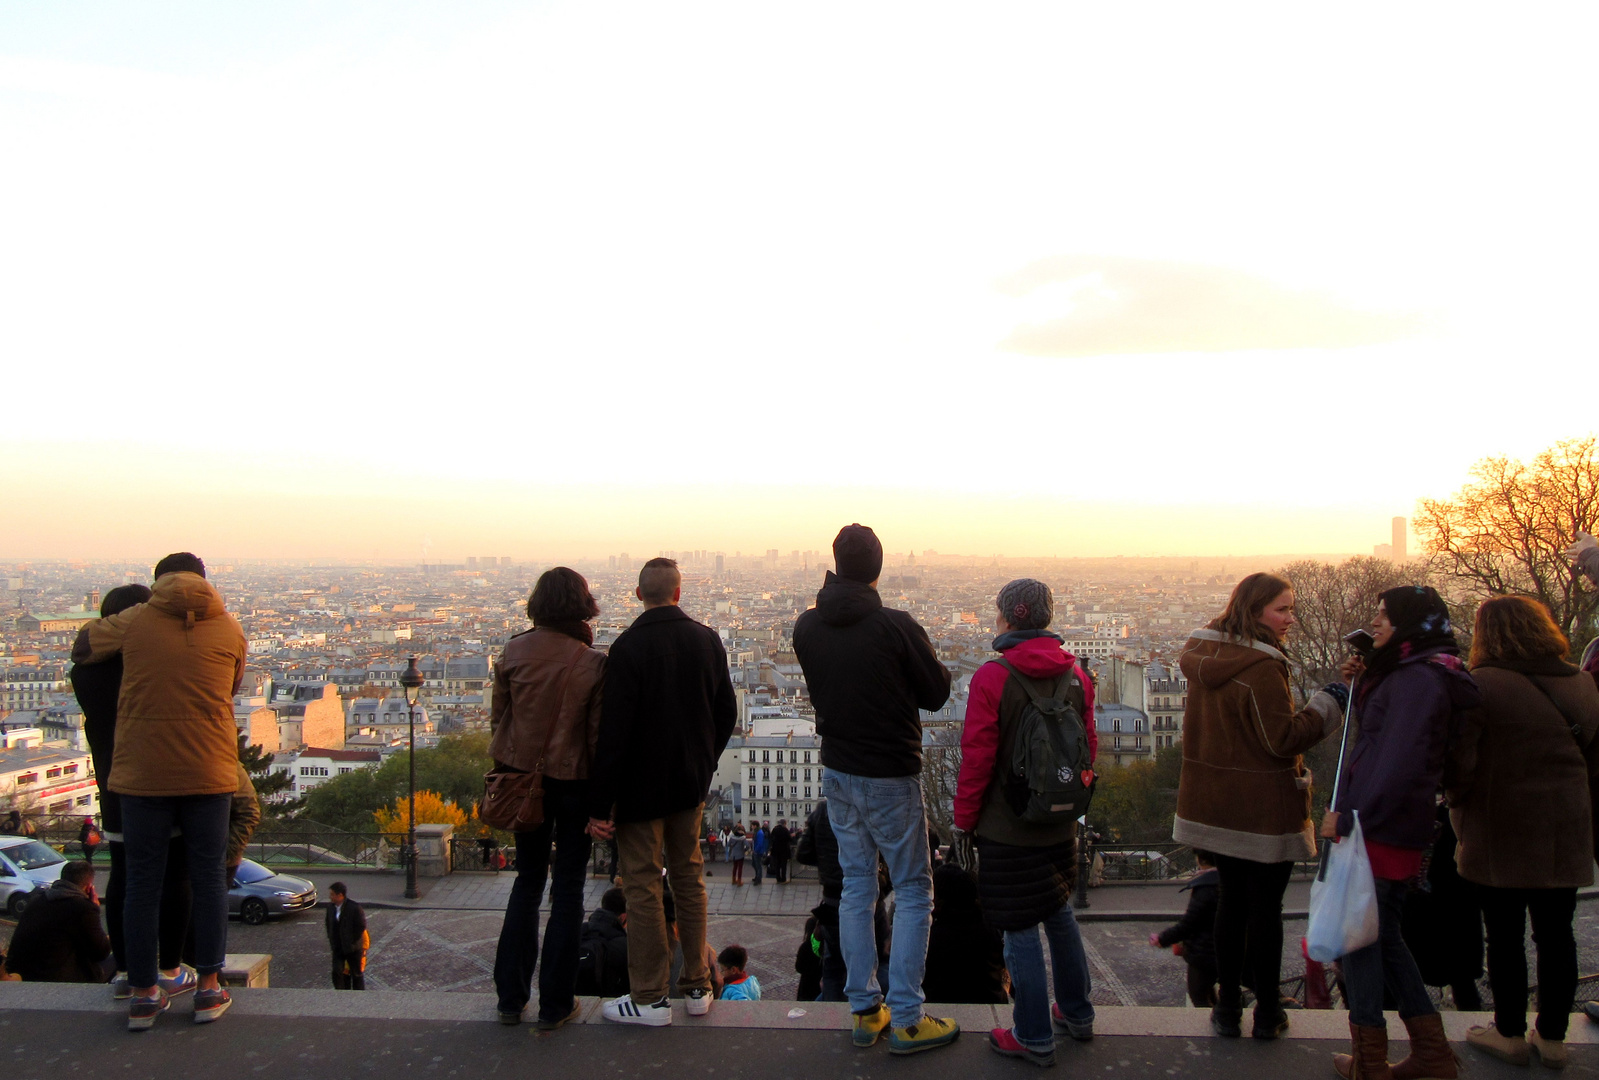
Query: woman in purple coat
x=1410, y=690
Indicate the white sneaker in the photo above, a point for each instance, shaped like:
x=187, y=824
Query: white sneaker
x=624, y=1010
x=697, y=1002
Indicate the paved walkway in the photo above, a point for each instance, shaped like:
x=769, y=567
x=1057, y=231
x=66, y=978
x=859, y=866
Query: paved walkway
x=53, y=1031
x=479, y=891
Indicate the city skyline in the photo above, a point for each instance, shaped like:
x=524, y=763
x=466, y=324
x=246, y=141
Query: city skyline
x=329, y=278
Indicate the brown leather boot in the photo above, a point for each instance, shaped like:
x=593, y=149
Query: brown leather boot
x=1370, y=1058
x=1431, y=1057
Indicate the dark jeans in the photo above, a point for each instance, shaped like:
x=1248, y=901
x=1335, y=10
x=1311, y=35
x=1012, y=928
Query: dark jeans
x=780, y=871
x=760, y=866
x=1249, y=929
x=147, y=824
x=176, y=900
x=565, y=815
x=1504, y=913
x=1387, y=962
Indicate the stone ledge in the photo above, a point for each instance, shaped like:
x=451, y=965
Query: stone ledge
x=401, y=1005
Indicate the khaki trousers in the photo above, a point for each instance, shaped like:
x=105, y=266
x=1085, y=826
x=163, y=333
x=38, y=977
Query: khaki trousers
x=640, y=847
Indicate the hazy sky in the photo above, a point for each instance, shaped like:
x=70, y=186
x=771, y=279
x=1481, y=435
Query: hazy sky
x=327, y=278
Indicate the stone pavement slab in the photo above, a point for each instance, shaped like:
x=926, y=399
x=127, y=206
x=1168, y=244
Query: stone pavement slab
x=49, y=1032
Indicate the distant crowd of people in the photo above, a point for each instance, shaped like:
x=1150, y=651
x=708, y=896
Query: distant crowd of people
x=1475, y=775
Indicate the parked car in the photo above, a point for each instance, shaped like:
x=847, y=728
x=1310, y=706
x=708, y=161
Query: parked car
x=257, y=893
x=26, y=865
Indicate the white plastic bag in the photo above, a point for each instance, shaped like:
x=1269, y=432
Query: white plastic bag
x=1343, y=901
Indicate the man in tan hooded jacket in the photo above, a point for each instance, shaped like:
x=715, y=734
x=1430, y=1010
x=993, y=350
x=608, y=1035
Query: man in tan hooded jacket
x=175, y=765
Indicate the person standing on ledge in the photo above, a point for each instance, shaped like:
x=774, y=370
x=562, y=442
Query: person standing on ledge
x=1244, y=792
x=667, y=713
x=176, y=764
x=869, y=669
x=347, y=938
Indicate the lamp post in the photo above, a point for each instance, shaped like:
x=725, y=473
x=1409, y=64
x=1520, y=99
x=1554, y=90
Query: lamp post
x=411, y=681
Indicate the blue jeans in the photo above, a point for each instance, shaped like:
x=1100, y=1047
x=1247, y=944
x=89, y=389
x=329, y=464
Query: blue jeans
x=759, y=859
x=1024, y=958
x=872, y=816
x=147, y=824
x=565, y=815
x=1385, y=962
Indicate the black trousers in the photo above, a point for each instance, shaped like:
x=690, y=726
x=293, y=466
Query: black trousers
x=1504, y=916
x=1201, y=984
x=1249, y=929
x=349, y=972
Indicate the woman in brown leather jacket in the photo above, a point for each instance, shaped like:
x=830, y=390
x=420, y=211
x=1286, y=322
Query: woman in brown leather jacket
x=546, y=716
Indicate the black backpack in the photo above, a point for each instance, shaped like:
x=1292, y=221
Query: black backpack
x=1044, y=766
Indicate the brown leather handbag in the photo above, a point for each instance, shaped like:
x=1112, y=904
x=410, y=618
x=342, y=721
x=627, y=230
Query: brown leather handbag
x=513, y=800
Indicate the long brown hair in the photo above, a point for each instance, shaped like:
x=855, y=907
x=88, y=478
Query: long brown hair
x=1515, y=628
x=1241, y=617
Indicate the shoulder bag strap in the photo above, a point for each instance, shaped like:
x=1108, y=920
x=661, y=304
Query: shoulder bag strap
x=1576, y=728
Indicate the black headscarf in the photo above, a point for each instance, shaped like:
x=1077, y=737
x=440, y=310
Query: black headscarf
x=1421, y=623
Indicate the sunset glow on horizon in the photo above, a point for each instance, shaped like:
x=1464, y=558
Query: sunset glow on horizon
x=552, y=280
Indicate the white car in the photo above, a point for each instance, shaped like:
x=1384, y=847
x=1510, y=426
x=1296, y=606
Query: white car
x=26, y=865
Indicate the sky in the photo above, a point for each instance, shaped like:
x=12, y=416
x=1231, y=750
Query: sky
x=368, y=280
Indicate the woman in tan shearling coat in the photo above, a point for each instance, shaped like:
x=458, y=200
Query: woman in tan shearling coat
x=1519, y=779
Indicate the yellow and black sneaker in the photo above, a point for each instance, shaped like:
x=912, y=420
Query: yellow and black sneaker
x=870, y=1025
x=929, y=1033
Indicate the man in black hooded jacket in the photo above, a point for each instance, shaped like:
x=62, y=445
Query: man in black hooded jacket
x=869, y=670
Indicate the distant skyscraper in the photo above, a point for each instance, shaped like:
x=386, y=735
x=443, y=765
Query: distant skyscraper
x=719, y=562
x=1400, y=536
x=471, y=562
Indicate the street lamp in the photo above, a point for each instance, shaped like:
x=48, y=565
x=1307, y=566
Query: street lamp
x=411, y=682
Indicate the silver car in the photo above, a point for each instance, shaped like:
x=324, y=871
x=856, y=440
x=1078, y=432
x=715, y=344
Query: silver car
x=257, y=892
x=26, y=865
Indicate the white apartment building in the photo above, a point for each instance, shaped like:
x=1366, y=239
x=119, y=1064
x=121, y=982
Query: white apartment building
x=314, y=766
x=48, y=779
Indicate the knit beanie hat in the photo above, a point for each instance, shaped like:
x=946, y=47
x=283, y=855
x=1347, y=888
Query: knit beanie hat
x=1027, y=604
x=857, y=554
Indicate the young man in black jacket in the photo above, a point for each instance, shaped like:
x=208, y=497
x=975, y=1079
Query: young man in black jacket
x=346, y=926
x=869, y=669
x=667, y=713
x=59, y=937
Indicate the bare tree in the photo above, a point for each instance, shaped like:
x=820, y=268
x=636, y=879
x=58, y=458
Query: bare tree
x=1331, y=599
x=1506, y=531
x=941, y=766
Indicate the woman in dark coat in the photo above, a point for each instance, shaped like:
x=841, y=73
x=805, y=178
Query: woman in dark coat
x=1410, y=691
x=1520, y=784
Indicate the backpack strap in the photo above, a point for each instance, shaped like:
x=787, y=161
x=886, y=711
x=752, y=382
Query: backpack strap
x=1057, y=692
x=1057, y=696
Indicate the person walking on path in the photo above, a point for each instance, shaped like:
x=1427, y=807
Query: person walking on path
x=738, y=849
x=1026, y=869
x=348, y=940
x=97, y=688
x=782, y=851
x=175, y=765
x=546, y=717
x=759, y=846
x=1244, y=792
x=668, y=713
x=869, y=669
x=89, y=838
x=1408, y=695
x=1520, y=781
